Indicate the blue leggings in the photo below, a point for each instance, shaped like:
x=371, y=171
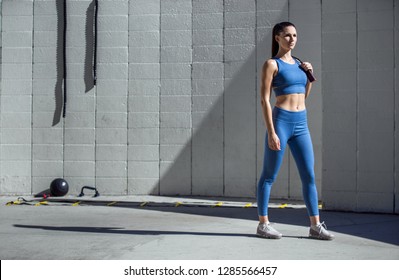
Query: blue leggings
x=291, y=128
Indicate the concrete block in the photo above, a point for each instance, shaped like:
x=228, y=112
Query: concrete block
x=112, y=55
x=144, y=87
x=47, y=168
x=174, y=152
x=176, y=54
x=15, y=136
x=37, y=135
x=239, y=6
x=79, y=153
x=111, y=120
x=20, y=8
x=108, y=39
x=120, y=7
x=109, y=87
x=207, y=21
x=111, y=169
x=179, y=136
x=112, y=136
x=144, y=39
x=369, y=40
x=16, y=168
x=144, y=71
x=208, y=54
x=208, y=70
x=143, y=169
x=381, y=202
x=336, y=179
x=207, y=86
x=16, y=39
x=331, y=41
x=80, y=120
x=111, y=104
x=112, y=71
x=111, y=186
x=49, y=22
x=175, y=178
x=268, y=18
x=17, y=23
x=16, y=120
x=240, y=20
x=207, y=6
x=340, y=60
x=207, y=186
x=208, y=37
x=143, y=153
x=144, y=55
x=16, y=71
x=79, y=135
x=143, y=136
x=111, y=152
x=339, y=6
x=239, y=52
x=176, y=22
x=266, y=5
x=239, y=36
x=15, y=152
x=15, y=103
x=143, y=120
x=386, y=79
x=148, y=104
x=369, y=6
x=376, y=158
x=15, y=185
x=176, y=87
x=176, y=7
x=116, y=23
x=379, y=60
x=175, y=120
x=204, y=103
x=176, y=38
x=144, y=22
x=79, y=168
x=42, y=152
x=176, y=71
x=143, y=186
x=175, y=104
x=339, y=200
x=16, y=86
x=143, y=7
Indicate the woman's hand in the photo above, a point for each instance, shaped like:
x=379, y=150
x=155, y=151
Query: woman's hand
x=274, y=142
x=307, y=66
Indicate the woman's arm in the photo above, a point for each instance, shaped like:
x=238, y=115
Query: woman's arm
x=268, y=71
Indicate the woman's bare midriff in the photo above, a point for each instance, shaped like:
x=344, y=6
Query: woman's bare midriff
x=291, y=102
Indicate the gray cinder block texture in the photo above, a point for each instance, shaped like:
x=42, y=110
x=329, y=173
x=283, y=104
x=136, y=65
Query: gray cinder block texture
x=176, y=105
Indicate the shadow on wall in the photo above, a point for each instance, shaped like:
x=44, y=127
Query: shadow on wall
x=88, y=65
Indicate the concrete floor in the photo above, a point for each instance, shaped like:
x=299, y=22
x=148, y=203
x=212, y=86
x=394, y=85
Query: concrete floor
x=196, y=230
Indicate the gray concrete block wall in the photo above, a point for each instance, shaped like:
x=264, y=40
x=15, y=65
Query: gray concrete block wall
x=176, y=106
x=359, y=105
x=16, y=98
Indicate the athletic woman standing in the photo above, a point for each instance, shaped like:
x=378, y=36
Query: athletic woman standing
x=286, y=124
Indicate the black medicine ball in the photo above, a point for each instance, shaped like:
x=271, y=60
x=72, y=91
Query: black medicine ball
x=59, y=187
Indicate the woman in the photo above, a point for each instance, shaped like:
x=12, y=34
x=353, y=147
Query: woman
x=287, y=124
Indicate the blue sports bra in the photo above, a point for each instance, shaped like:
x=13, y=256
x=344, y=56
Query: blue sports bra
x=289, y=79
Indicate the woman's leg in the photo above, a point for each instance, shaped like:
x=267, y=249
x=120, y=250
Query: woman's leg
x=271, y=165
x=302, y=151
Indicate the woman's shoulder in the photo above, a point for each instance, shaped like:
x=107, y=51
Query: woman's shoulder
x=271, y=63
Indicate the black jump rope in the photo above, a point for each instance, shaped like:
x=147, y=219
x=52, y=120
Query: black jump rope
x=94, y=73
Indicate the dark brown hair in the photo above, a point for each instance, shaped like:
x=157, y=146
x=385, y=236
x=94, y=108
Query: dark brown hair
x=277, y=29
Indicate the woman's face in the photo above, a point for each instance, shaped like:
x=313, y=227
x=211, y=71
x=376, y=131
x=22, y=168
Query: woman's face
x=287, y=38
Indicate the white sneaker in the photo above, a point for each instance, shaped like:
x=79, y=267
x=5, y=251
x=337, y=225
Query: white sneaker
x=267, y=231
x=320, y=232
